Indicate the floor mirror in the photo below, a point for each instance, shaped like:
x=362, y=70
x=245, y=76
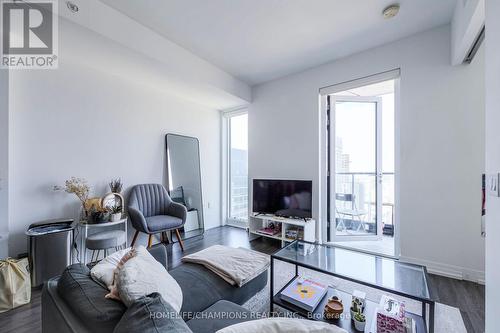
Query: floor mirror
x=184, y=180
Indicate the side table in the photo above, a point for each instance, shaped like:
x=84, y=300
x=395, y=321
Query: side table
x=87, y=229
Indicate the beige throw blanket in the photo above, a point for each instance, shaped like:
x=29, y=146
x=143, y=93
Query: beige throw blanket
x=235, y=266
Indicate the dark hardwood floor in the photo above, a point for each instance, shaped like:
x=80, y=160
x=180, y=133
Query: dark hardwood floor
x=467, y=296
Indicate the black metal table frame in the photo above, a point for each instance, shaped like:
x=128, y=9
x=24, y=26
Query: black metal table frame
x=428, y=305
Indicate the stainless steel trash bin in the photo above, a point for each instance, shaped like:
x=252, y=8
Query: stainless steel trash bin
x=49, y=245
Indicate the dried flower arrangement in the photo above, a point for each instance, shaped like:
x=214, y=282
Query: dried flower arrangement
x=116, y=185
x=77, y=186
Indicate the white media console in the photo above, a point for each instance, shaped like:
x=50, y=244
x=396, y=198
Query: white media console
x=306, y=228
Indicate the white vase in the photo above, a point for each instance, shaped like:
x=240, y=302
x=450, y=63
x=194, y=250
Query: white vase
x=116, y=217
x=360, y=325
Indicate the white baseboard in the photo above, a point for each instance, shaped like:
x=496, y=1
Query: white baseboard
x=237, y=225
x=451, y=271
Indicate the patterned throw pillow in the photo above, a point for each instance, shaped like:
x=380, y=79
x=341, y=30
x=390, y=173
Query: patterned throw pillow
x=103, y=271
x=113, y=293
x=139, y=274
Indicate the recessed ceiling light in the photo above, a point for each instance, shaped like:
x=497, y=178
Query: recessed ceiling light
x=72, y=7
x=391, y=11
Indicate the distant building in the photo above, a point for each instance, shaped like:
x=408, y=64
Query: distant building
x=341, y=159
x=342, y=162
x=239, y=184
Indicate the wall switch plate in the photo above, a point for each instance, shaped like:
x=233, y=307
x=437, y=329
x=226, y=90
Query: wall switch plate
x=492, y=185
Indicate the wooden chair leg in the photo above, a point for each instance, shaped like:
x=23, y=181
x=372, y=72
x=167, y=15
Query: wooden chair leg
x=135, y=238
x=181, y=243
x=150, y=240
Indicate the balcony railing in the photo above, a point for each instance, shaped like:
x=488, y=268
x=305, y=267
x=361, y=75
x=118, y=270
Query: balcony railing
x=362, y=185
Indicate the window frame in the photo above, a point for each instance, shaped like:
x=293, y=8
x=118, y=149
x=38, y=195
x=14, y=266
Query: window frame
x=226, y=168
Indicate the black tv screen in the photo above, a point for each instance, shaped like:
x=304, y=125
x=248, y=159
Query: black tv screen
x=287, y=198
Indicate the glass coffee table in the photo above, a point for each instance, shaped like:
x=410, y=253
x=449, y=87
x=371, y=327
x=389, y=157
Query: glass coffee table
x=386, y=274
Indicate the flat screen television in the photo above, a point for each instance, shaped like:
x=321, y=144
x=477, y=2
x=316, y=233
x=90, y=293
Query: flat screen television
x=287, y=198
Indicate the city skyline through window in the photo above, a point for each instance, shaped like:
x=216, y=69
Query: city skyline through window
x=364, y=124
x=238, y=166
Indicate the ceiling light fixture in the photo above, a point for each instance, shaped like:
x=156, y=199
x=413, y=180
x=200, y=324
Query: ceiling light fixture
x=72, y=7
x=391, y=11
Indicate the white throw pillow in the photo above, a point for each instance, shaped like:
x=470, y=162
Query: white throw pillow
x=282, y=325
x=102, y=273
x=142, y=275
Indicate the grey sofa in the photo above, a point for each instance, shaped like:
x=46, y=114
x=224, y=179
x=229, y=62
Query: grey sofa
x=73, y=302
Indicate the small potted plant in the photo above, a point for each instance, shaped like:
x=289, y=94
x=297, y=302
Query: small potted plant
x=360, y=321
x=356, y=306
x=98, y=215
x=116, y=213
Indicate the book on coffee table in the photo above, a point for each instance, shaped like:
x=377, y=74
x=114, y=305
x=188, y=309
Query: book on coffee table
x=411, y=326
x=304, y=293
x=390, y=317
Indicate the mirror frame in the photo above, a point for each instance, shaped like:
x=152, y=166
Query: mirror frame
x=201, y=214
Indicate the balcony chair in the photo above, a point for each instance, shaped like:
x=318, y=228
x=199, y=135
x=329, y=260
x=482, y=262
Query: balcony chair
x=152, y=211
x=354, y=213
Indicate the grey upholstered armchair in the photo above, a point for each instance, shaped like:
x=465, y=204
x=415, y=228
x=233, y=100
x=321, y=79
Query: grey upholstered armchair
x=152, y=211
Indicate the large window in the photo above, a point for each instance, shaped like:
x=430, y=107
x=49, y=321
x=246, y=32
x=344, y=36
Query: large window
x=238, y=168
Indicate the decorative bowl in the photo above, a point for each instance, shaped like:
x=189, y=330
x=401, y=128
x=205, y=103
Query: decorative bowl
x=334, y=308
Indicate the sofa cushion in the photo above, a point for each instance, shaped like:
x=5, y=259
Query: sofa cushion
x=86, y=299
x=201, y=288
x=163, y=222
x=151, y=314
x=218, y=316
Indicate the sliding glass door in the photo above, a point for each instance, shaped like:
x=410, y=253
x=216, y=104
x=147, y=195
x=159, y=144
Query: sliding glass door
x=355, y=167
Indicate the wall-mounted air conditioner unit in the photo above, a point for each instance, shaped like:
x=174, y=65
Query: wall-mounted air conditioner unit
x=467, y=30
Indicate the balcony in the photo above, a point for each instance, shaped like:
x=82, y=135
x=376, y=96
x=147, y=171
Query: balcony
x=355, y=204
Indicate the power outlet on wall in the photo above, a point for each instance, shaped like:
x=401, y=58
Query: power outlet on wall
x=492, y=185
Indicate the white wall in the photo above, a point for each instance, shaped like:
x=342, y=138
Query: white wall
x=442, y=143
x=492, y=163
x=83, y=121
x=4, y=161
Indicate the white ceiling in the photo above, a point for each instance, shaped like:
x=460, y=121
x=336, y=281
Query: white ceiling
x=260, y=40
